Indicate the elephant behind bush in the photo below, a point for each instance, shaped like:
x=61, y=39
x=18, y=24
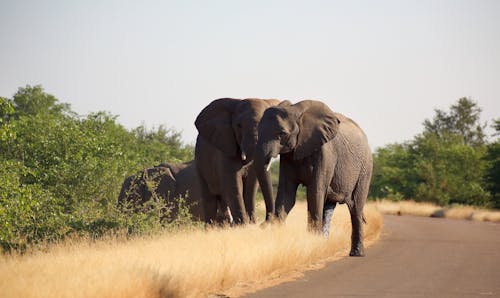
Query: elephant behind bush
x=166, y=184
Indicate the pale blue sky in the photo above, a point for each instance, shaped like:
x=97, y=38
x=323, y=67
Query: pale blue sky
x=386, y=64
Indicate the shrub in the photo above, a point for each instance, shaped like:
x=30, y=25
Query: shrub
x=60, y=173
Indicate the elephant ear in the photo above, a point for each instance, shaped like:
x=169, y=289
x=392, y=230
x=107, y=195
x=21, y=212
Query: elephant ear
x=317, y=125
x=214, y=124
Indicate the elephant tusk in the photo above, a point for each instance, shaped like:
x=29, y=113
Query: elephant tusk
x=268, y=167
x=243, y=156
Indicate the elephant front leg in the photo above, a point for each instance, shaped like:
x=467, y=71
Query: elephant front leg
x=209, y=205
x=285, y=200
x=315, y=206
x=210, y=209
x=287, y=190
x=223, y=213
x=233, y=196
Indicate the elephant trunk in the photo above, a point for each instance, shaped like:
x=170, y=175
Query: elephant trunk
x=262, y=163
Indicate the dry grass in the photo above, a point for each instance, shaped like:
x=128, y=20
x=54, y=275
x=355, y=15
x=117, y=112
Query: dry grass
x=432, y=210
x=189, y=264
x=406, y=207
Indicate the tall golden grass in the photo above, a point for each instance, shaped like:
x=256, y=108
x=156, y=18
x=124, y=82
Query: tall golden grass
x=432, y=210
x=192, y=263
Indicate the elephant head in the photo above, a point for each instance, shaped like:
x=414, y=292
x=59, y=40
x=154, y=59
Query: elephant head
x=299, y=129
x=230, y=125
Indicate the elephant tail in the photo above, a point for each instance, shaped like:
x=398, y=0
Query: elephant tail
x=364, y=219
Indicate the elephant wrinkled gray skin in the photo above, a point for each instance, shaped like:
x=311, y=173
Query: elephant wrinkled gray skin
x=227, y=135
x=167, y=182
x=325, y=151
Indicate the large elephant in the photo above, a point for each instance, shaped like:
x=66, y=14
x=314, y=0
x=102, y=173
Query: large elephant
x=325, y=151
x=165, y=183
x=227, y=135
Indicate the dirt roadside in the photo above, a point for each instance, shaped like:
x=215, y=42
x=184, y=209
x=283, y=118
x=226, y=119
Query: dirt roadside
x=416, y=257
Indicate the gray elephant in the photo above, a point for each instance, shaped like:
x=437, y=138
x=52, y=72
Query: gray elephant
x=325, y=151
x=227, y=135
x=165, y=183
x=151, y=183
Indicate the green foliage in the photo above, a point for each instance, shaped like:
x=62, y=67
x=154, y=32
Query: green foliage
x=448, y=171
x=28, y=213
x=496, y=127
x=6, y=128
x=392, y=175
x=161, y=144
x=448, y=163
x=60, y=173
x=34, y=101
x=463, y=120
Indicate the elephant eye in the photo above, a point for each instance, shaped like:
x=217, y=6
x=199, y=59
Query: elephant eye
x=283, y=134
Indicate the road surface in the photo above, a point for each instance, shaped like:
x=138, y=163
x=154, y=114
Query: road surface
x=415, y=257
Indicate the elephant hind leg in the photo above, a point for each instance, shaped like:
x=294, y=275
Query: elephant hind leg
x=356, y=206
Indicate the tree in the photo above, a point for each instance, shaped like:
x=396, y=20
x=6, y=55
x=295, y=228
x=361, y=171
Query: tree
x=6, y=129
x=493, y=160
x=33, y=100
x=447, y=163
x=393, y=176
x=496, y=127
x=60, y=173
x=162, y=144
x=448, y=171
x=463, y=119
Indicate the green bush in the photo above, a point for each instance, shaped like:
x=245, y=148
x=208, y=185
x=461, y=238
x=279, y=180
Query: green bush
x=492, y=158
x=28, y=213
x=449, y=162
x=60, y=173
x=449, y=171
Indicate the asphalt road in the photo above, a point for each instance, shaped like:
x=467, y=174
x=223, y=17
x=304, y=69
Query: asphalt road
x=416, y=257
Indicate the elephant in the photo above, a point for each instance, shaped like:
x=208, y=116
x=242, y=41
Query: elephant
x=165, y=183
x=136, y=192
x=227, y=135
x=327, y=152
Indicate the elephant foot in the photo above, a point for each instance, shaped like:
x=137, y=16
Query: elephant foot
x=358, y=251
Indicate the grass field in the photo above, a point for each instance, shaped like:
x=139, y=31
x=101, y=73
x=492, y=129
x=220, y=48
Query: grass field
x=432, y=210
x=192, y=263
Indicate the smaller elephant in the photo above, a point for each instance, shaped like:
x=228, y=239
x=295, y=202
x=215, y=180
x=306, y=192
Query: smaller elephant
x=165, y=183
